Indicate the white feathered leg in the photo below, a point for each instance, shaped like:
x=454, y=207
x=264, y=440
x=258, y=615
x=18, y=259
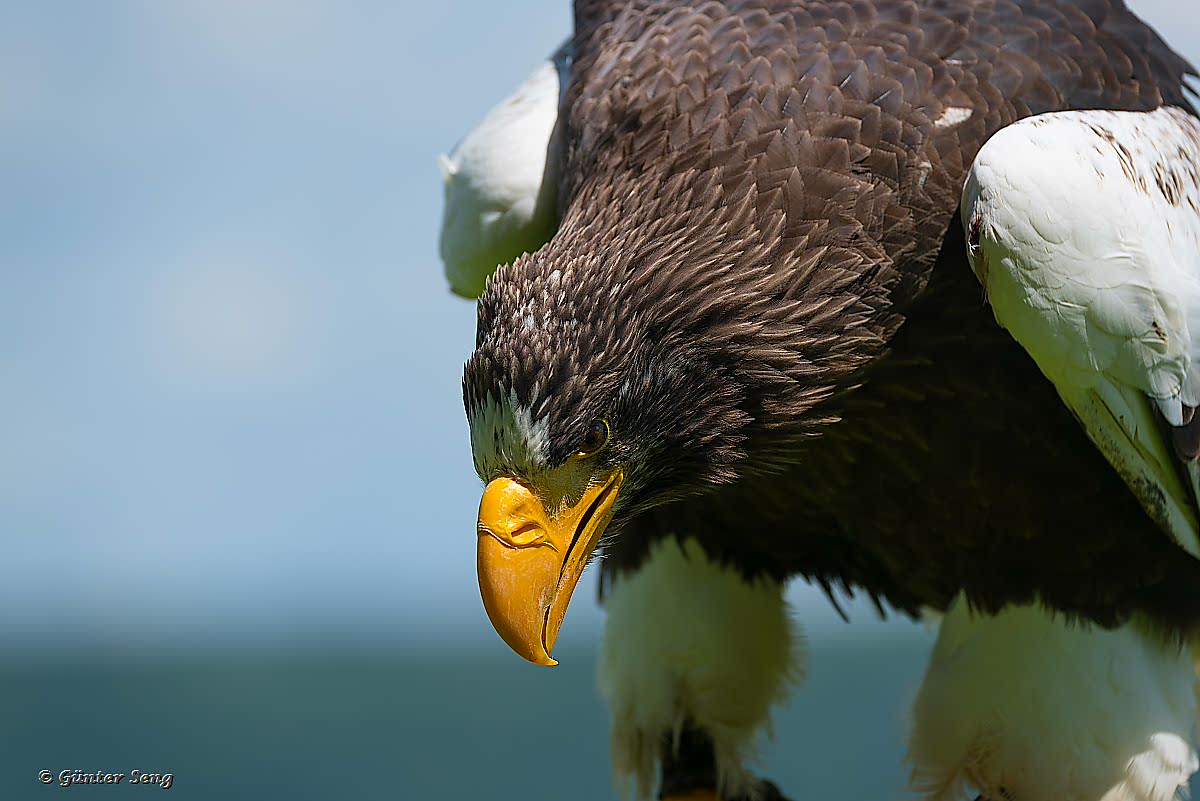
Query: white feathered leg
x=689, y=641
x=1023, y=705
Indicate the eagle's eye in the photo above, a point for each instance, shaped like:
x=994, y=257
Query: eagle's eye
x=594, y=440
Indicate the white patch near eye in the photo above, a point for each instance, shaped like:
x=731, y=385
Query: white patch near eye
x=505, y=436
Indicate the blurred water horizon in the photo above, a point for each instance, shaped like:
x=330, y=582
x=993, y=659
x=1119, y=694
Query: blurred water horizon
x=456, y=723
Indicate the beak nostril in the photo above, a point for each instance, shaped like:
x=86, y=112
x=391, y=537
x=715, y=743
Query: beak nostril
x=527, y=534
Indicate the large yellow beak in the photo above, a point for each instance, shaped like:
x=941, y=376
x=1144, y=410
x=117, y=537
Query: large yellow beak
x=530, y=561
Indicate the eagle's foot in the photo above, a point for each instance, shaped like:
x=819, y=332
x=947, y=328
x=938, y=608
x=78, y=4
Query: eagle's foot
x=769, y=793
x=689, y=772
x=689, y=768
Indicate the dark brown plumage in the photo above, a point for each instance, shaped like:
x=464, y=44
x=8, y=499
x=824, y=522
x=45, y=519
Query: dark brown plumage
x=747, y=280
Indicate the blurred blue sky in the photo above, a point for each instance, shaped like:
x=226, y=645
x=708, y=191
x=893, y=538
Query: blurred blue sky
x=229, y=368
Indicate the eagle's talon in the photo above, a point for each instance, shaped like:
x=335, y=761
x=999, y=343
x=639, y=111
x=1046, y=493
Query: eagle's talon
x=689, y=771
x=769, y=793
x=689, y=768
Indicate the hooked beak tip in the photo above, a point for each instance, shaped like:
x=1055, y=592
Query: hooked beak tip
x=529, y=562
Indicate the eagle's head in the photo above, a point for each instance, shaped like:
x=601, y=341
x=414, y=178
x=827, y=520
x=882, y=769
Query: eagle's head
x=585, y=407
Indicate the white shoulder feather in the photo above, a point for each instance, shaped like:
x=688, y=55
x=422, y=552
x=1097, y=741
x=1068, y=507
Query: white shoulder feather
x=1084, y=228
x=500, y=198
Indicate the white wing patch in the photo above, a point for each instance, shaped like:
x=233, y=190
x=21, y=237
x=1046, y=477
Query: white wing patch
x=500, y=183
x=1084, y=228
x=952, y=116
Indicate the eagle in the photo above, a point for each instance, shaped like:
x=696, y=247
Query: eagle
x=894, y=296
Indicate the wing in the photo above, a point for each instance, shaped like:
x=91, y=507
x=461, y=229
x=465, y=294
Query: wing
x=1084, y=229
x=501, y=182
